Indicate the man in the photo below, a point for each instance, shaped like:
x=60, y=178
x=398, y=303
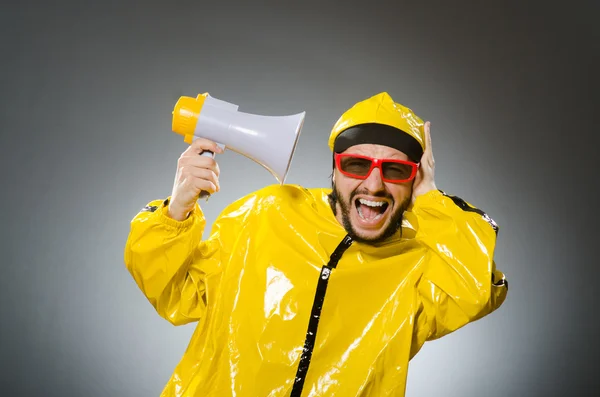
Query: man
x=318, y=292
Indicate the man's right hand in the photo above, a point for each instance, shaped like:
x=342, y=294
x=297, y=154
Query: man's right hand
x=195, y=173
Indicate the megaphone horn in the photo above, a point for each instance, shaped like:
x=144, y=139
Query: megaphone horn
x=267, y=140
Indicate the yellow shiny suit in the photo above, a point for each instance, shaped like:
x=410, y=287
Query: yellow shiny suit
x=253, y=284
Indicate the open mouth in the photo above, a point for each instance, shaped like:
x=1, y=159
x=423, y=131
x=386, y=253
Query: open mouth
x=370, y=211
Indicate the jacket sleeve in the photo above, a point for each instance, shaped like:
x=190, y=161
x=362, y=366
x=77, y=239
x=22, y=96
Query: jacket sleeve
x=170, y=262
x=460, y=282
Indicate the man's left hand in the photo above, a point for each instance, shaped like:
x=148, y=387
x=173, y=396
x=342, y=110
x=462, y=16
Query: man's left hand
x=424, y=180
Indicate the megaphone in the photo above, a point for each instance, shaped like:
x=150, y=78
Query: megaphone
x=268, y=140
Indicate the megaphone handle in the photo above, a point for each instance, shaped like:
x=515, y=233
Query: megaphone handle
x=204, y=194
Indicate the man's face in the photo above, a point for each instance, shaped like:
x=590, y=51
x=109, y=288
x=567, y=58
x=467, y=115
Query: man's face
x=370, y=209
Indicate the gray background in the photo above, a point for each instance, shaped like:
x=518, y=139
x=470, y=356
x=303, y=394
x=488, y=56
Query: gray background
x=87, y=92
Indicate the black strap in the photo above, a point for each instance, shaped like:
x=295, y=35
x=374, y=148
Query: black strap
x=315, y=315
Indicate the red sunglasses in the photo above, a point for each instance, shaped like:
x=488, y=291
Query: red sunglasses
x=360, y=167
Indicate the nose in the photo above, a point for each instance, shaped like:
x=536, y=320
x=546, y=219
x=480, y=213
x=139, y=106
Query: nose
x=374, y=182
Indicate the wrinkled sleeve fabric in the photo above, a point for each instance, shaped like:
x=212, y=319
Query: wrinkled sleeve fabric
x=460, y=282
x=170, y=262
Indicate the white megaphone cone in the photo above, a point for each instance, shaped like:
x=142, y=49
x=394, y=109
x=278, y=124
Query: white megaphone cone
x=268, y=140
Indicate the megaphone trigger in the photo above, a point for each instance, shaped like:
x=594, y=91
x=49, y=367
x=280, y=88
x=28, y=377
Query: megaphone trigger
x=204, y=194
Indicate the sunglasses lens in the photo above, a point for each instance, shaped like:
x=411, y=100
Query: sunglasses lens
x=396, y=171
x=355, y=166
x=359, y=167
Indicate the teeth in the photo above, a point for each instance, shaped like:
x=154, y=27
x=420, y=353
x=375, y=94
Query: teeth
x=371, y=203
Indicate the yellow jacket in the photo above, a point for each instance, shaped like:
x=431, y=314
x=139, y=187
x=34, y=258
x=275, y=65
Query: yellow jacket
x=255, y=283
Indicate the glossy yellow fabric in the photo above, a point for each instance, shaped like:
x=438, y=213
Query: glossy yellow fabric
x=380, y=109
x=250, y=285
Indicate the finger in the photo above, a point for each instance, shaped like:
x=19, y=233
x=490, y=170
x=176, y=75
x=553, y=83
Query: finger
x=203, y=144
x=427, y=136
x=199, y=185
x=199, y=173
x=207, y=186
x=428, y=153
x=429, y=142
x=200, y=162
x=196, y=176
x=200, y=145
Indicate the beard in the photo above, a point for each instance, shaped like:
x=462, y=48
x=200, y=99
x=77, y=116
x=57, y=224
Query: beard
x=394, y=225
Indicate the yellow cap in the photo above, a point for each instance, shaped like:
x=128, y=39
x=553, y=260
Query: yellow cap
x=380, y=109
x=185, y=115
